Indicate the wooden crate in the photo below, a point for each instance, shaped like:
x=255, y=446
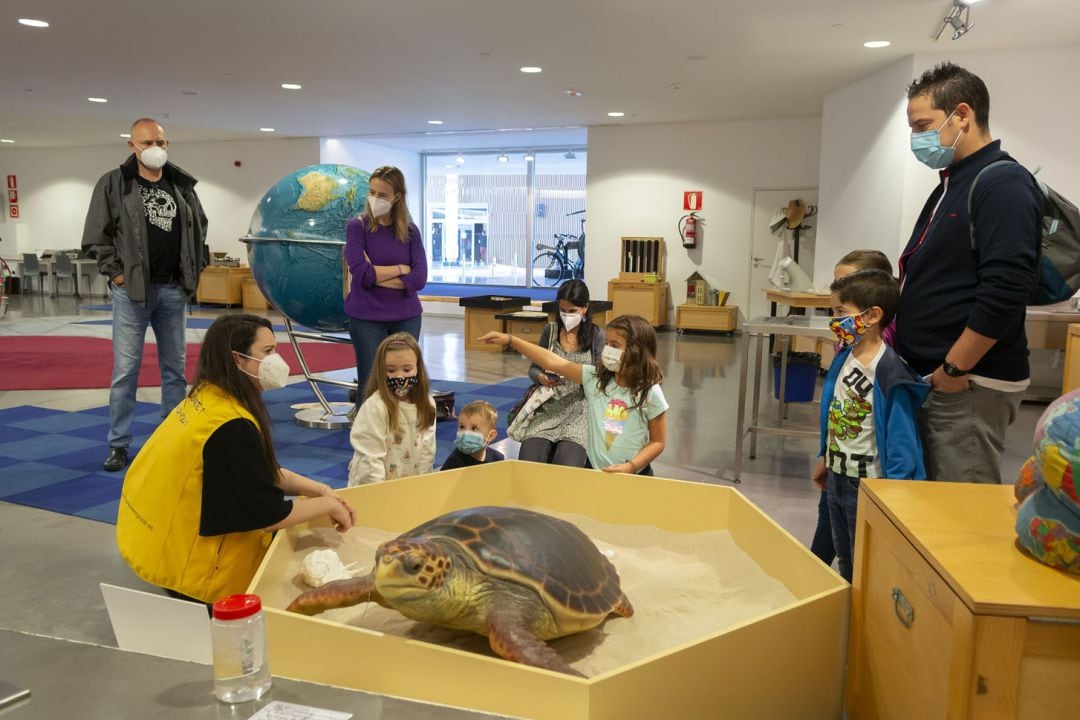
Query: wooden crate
x=649, y=300
x=707, y=317
x=222, y=285
x=252, y=296
x=642, y=259
x=949, y=619
x=786, y=663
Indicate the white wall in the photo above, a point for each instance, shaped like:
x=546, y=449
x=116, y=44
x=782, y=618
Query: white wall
x=637, y=175
x=55, y=186
x=1031, y=111
x=367, y=156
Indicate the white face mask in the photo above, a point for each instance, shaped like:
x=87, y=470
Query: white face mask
x=612, y=358
x=570, y=320
x=378, y=206
x=154, y=157
x=273, y=371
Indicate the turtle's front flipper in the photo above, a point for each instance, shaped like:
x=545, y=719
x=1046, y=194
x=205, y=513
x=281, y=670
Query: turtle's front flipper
x=337, y=594
x=511, y=638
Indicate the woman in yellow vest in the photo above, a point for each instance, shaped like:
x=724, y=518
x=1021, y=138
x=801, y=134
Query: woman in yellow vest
x=203, y=496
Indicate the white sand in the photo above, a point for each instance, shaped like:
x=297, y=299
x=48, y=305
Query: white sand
x=684, y=587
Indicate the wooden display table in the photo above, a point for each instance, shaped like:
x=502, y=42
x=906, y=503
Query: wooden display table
x=717, y=318
x=222, y=285
x=797, y=301
x=480, y=317
x=949, y=619
x=649, y=300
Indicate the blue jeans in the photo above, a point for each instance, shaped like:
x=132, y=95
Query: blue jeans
x=843, y=498
x=822, y=545
x=366, y=336
x=164, y=312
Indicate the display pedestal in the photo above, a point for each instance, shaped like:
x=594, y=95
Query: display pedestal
x=481, y=313
x=649, y=300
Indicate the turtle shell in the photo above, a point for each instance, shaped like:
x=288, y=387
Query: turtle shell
x=552, y=556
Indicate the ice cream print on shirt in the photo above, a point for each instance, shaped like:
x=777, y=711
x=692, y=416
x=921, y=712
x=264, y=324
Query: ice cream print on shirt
x=851, y=444
x=159, y=206
x=615, y=415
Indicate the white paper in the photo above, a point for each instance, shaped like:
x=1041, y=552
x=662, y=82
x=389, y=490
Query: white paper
x=278, y=710
x=158, y=625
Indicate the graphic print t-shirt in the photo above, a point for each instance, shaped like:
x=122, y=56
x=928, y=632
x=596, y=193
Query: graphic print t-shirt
x=162, y=228
x=852, y=447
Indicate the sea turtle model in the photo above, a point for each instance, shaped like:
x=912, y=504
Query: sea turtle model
x=516, y=576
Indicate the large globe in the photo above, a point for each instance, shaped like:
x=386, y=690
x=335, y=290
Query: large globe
x=296, y=240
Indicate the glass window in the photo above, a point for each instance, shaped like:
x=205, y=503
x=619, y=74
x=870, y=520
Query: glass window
x=483, y=219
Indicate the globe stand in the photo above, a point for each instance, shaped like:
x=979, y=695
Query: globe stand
x=328, y=416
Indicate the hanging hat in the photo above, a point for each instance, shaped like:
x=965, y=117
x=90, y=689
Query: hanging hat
x=1048, y=519
x=796, y=211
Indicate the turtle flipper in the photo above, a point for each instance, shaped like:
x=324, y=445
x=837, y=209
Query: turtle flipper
x=337, y=594
x=512, y=639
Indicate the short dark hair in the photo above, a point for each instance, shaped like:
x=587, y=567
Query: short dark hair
x=867, y=289
x=867, y=260
x=948, y=85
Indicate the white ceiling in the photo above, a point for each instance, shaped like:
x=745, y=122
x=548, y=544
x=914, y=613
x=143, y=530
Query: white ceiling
x=385, y=67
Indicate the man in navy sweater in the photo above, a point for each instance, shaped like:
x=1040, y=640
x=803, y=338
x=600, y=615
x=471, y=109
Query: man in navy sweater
x=961, y=317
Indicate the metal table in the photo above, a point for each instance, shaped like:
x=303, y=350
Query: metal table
x=783, y=329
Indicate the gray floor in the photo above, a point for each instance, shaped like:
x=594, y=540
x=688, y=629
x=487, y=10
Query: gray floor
x=53, y=563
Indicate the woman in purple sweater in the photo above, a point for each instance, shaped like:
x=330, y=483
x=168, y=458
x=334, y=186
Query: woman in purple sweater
x=386, y=258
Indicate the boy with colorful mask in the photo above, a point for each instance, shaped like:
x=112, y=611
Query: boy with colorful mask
x=476, y=429
x=868, y=405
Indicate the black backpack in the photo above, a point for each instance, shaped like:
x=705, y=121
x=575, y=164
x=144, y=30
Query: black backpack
x=1058, y=268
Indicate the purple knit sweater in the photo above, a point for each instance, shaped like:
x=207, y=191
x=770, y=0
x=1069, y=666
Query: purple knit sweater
x=368, y=301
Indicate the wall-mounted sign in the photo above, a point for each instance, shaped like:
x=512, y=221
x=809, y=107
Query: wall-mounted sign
x=691, y=200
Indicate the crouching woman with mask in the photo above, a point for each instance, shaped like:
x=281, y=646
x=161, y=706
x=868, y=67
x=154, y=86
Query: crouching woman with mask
x=203, y=496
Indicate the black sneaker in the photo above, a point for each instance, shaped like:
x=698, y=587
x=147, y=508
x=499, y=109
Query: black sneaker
x=116, y=461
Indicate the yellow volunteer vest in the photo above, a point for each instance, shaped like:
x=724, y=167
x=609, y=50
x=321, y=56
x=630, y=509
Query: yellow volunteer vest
x=157, y=528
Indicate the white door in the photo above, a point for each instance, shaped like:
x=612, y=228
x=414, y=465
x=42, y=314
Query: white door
x=763, y=242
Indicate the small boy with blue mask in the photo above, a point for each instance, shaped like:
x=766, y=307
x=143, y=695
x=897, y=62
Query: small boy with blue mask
x=868, y=405
x=476, y=428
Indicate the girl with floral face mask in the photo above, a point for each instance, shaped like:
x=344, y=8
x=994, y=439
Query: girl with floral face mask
x=626, y=409
x=393, y=434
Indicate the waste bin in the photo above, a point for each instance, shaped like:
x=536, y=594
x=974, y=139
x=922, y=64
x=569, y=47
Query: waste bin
x=802, y=372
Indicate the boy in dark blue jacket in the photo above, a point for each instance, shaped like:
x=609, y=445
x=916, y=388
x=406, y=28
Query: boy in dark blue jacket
x=868, y=405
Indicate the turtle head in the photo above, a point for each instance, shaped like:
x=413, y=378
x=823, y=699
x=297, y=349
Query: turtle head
x=410, y=569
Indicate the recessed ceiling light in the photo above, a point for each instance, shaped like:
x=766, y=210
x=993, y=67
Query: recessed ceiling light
x=291, y=86
x=527, y=157
x=503, y=158
x=98, y=100
x=616, y=114
x=874, y=44
x=266, y=129
x=6, y=140
x=448, y=165
x=434, y=122
x=531, y=69
x=460, y=159
x=30, y=22
x=125, y=135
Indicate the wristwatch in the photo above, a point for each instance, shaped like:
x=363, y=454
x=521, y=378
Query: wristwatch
x=952, y=371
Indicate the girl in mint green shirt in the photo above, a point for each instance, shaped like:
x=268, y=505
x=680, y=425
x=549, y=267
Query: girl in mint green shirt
x=626, y=408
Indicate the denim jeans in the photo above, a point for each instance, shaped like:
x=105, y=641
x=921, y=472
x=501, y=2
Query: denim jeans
x=843, y=498
x=822, y=545
x=366, y=336
x=164, y=312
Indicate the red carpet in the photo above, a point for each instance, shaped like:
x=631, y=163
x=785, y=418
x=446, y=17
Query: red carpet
x=65, y=362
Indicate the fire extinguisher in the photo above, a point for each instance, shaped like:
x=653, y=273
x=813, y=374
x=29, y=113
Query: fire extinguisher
x=690, y=229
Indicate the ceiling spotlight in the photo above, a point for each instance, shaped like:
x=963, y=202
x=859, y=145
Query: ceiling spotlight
x=616, y=114
x=98, y=100
x=570, y=155
x=527, y=157
x=266, y=129
x=6, y=140
x=291, y=86
x=503, y=157
x=434, y=122
x=125, y=135
x=875, y=44
x=959, y=19
x=531, y=69
x=460, y=159
x=30, y=22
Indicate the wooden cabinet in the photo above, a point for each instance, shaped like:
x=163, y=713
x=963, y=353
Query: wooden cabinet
x=649, y=300
x=480, y=317
x=1071, y=379
x=949, y=619
x=222, y=285
x=719, y=318
x=252, y=295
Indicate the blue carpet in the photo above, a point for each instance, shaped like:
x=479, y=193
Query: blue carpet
x=51, y=459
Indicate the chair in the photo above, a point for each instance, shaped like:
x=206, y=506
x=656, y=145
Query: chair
x=66, y=270
x=31, y=268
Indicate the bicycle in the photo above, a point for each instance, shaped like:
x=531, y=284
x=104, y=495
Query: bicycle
x=553, y=265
